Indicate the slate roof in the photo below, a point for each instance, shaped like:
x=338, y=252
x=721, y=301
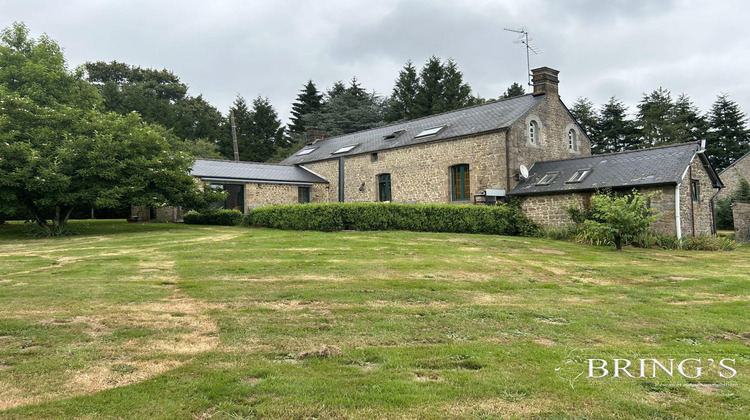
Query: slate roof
x=654, y=166
x=466, y=121
x=253, y=172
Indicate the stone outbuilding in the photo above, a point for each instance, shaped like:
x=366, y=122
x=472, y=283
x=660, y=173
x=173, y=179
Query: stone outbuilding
x=680, y=176
x=741, y=213
x=731, y=176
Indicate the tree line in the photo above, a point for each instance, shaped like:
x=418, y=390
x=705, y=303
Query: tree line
x=159, y=97
x=661, y=120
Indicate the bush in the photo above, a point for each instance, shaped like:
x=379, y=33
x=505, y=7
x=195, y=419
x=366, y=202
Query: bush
x=499, y=220
x=213, y=217
x=616, y=219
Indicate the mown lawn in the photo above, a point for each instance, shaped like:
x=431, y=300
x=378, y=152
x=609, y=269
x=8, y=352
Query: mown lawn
x=176, y=321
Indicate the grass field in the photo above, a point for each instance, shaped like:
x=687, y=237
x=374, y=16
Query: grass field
x=175, y=321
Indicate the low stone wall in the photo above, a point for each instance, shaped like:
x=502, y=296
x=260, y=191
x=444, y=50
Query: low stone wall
x=170, y=214
x=741, y=211
x=142, y=212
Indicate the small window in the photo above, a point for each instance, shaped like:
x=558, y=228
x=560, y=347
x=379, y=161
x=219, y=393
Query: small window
x=430, y=131
x=384, y=187
x=572, y=140
x=579, y=176
x=306, y=151
x=696, y=190
x=547, y=178
x=373, y=157
x=303, y=195
x=460, y=184
x=533, y=132
x=394, y=135
x=345, y=149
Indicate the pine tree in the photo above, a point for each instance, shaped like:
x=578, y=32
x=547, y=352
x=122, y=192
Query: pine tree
x=655, y=119
x=728, y=137
x=689, y=125
x=584, y=112
x=266, y=131
x=513, y=90
x=430, y=87
x=402, y=103
x=309, y=100
x=456, y=93
x=615, y=132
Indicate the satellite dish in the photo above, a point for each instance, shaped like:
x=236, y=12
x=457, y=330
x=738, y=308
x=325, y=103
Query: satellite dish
x=524, y=172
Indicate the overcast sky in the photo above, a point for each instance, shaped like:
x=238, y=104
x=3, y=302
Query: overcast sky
x=222, y=48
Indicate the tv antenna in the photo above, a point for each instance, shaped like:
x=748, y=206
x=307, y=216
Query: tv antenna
x=524, y=40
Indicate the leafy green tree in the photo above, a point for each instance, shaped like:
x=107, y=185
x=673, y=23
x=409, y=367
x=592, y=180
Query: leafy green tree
x=309, y=100
x=160, y=98
x=516, y=89
x=655, y=119
x=402, y=103
x=584, y=112
x=728, y=136
x=619, y=217
x=614, y=132
x=60, y=151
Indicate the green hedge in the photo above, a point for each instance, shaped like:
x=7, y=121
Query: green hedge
x=499, y=220
x=214, y=217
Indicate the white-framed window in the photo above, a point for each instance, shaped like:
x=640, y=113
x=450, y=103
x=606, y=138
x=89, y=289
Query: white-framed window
x=345, y=149
x=572, y=140
x=430, y=131
x=579, y=175
x=547, y=179
x=533, y=132
x=306, y=151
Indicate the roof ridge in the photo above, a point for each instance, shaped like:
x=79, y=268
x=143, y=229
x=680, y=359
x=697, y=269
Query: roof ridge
x=242, y=161
x=494, y=101
x=624, y=152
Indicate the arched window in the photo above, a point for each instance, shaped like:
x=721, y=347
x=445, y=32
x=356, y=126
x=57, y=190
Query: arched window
x=572, y=140
x=533, y=132
x=460, y=187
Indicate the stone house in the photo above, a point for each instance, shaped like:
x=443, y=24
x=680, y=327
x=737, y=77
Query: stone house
x=680, y=176
x=449, y=157
x=731, y=176
x=477, y=154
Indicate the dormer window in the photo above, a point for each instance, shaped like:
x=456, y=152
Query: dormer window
x=572, y=140
x=579, y=176
x=533, y=132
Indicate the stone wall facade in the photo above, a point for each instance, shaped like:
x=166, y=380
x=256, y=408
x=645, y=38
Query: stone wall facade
x=552, y=210
x=422, y=173
x=169, y=214
x=260, y=194
x=731, y=176
x=697, y=217
x=741, y=211
x=554, y=121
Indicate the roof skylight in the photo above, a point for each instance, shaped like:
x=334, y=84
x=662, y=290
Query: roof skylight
x=306, y=151
x=579, y=176
x=547, y=179
x=394, y=135
x=430, y=131
x=345, y=149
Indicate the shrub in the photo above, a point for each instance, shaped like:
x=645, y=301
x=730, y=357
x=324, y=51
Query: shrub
x=213, y=217
x=617, y=218
x=499, y=220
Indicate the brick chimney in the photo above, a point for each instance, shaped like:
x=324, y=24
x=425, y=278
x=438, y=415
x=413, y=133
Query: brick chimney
x=545, y=80
x=314, y=135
